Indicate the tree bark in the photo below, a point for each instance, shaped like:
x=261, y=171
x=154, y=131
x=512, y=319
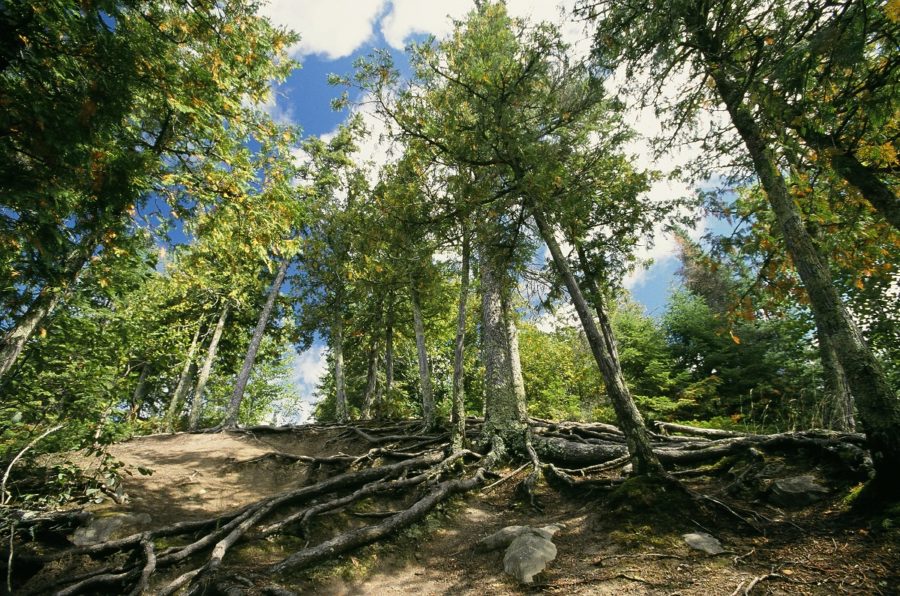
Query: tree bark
x=18, y=336
x=424, y=372
x=140, y=391
x=388, y=355
x=371, y=381
x=205, y=370
x=234, y=406
x=879, y=408
x=43, y=305
x=337, y=352
x=838, y=399
x=458, y=407
x=505, y=414
x=184, y=382
x=644, y=461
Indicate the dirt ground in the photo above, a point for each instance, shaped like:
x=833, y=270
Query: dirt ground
x=820, y=549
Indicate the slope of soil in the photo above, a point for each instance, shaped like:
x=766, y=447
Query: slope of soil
x=603, y=548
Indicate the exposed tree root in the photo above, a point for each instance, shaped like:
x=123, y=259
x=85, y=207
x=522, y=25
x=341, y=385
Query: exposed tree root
x=399, y=465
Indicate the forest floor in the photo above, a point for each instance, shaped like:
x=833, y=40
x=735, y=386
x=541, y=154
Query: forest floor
x=822, y=548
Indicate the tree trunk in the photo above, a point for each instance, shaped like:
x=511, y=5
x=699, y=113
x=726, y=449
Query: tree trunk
x=137, y=398
x=424, y=372
x=46, y=302
x=838, y=399
x=388, y=356
x=184, y=382
x=18, y=336
x=197, y=401
x=371, y=381
x=458, y=407
x=337, y=352
x=234, y=406
x=630, y=420
x=879, y=408
x=504, y=401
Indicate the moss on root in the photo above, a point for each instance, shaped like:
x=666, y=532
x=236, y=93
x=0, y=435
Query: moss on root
x=650, y=495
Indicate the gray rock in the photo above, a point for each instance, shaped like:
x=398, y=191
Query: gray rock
x=703, y=541
x=529, y=553
x=796, y=491
x=504, y=537
x=500, y=539
x=108, y=527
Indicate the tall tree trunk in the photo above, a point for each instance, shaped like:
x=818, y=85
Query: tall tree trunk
x=337, y=352
x=140, y=391
x=879, y=408
x=205, y=370
x=388, y=354
x=234, y=406
x=18, y=336
x=504, y=401
x=458, y=407
x=371, y=381
x=644, y=461
x=421, y=350
x=184, y=382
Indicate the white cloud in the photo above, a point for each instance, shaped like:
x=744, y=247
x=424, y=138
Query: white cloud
x=334, y=28
x=307, y=370
x=411, y=17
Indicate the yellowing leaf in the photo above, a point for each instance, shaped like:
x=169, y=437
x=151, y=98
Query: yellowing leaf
x=734, y=337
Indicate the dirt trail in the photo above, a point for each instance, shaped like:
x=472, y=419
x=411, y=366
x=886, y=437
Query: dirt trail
x=816, y=550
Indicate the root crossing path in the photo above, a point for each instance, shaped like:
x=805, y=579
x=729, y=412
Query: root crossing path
x=272, y=510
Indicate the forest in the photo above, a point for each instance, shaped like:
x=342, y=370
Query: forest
x=169, y=247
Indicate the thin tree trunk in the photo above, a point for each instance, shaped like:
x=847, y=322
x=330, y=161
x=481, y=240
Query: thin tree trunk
x=337, y=351
x=421, y=350
x=371, y=381
x=388, y=355
x=458, y=407
x=184, y=382
x=205, y=370
x=879, y=408
x=140, y=391
x=630, y=420
x=504, y=402
x=234, y=406
x=18, y=336
x=43, y=305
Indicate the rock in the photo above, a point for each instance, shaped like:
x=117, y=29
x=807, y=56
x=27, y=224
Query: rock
x=501, y=539
x=109, y=527
x=529, y=553
x=796, y=491
x=504, y=537
x=705, y=542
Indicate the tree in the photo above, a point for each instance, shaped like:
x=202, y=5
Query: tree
x=714, y=42
x=106, y=103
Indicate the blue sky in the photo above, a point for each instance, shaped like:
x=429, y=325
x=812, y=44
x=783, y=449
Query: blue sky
x=334, y=33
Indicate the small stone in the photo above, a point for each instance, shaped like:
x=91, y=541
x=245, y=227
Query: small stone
x=703, y=541
x=528, y=555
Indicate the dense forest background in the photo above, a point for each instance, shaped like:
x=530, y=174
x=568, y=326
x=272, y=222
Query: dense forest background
x=166, y=245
